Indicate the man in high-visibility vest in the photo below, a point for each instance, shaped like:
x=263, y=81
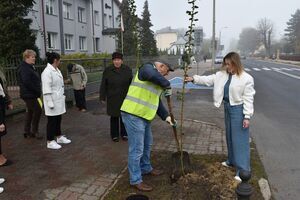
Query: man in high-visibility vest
x=139, y=108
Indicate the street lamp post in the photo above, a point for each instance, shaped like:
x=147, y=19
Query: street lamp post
x=213, y=54
x=220, y=34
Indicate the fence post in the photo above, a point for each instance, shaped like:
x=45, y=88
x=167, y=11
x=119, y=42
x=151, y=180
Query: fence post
x=244, y=189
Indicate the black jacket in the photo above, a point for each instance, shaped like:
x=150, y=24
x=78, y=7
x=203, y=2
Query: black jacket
x=114, y=87
x=29, y=81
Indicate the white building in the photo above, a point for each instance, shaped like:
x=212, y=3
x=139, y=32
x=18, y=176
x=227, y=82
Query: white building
x=70, y=26
x=174, y=40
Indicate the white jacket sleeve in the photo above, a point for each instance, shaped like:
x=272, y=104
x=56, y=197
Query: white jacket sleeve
x=248, y=98
x=204, y=80
x=47, y=89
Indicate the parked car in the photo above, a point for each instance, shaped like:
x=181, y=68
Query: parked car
x=218, y=59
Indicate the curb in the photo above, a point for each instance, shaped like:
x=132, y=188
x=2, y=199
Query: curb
x=265, y=188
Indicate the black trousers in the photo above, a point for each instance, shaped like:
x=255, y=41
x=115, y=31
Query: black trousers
x=53, y=127
x=80, y=99
x=33, y=116
x=116, y=124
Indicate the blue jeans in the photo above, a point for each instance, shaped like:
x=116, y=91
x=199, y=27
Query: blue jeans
x=237, y=138
x=139, y=146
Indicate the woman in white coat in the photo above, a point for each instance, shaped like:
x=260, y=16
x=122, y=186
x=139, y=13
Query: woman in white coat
x=54, y=101
x=235, y=88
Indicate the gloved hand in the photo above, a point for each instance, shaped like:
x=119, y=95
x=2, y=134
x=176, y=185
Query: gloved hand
x=169, y=121
x=168, y=92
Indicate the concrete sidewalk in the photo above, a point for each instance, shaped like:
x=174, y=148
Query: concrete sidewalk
x=87, y=167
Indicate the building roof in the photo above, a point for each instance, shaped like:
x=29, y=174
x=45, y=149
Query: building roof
x=180, y=41
x=166, y=30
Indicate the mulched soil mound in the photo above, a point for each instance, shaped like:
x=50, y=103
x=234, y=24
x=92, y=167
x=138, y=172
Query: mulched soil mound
x=208, y=181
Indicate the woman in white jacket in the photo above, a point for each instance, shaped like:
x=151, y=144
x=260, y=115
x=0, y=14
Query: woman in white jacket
x=234, y=87
x=54, y=101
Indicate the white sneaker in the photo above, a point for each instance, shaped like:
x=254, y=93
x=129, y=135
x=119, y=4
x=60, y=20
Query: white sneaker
x=237, y=178
x=1, y=189
x=2, y=180
x=63, y=140
x=225, y=164
x=53, y=145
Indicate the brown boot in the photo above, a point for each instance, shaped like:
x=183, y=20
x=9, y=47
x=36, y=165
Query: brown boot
x=155, y=172
x=143, y=187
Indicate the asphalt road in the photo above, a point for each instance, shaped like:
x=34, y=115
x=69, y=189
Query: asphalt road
x=275, y=126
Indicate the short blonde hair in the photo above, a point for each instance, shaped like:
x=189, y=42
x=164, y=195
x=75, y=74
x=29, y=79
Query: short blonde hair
x=28, y=52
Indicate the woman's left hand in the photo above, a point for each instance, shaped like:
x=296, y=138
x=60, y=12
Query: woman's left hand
x=246, y=123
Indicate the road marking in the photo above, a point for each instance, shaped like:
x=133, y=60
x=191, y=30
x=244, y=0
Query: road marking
x=287, y=69
x=296, y=69
x=267, y=69
x=287, y=74
x=276, y=69
x=247, y=69
x=256, y=69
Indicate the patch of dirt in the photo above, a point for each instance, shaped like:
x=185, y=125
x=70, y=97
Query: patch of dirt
x=208, y=181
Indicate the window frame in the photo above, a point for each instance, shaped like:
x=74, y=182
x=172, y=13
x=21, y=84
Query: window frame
x=68, y=41
x=67, y=10
x=81, y=15
x=82, y=43
x=52, y=40
x=50, y=7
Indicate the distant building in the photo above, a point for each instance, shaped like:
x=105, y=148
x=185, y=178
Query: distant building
x=70, y=26
x=165, y=37
x=177, y=47
x=173, y=40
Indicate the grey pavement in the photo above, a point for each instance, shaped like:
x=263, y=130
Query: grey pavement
x=92, y=163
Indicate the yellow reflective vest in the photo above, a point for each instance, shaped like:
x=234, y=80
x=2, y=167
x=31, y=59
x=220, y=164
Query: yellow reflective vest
x=142, y=99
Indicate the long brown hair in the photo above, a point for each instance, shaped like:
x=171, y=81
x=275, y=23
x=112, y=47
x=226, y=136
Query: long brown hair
x=235, y=61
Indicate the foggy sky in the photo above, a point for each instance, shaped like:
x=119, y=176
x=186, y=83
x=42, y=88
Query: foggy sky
x=234, y=14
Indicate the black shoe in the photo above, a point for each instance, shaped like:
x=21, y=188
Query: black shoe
x=115, y=139
x=124, y=138
x=27, y=135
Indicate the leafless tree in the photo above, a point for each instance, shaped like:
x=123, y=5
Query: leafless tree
x=265, y=28
x=249, y=40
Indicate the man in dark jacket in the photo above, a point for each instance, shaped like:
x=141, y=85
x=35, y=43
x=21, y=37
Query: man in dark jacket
x=30, y=91
x=114, y=86
x=139, y=108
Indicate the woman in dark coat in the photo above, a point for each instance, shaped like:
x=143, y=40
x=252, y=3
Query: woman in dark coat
x=114, y=86
x=5, y=102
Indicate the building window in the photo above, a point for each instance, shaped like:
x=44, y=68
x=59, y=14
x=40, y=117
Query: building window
x=67, y=10
x=97, y=40
x=52, y=40
x=68, y=42
x=50, y=7
x=81, y=14
x=105, y=21
x=35, y=6
x=82, y=43
x=96, y=18
x=110, y=22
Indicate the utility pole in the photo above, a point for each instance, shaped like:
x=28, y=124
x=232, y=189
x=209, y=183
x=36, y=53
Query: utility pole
x=219, y=49
x=213, y=56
